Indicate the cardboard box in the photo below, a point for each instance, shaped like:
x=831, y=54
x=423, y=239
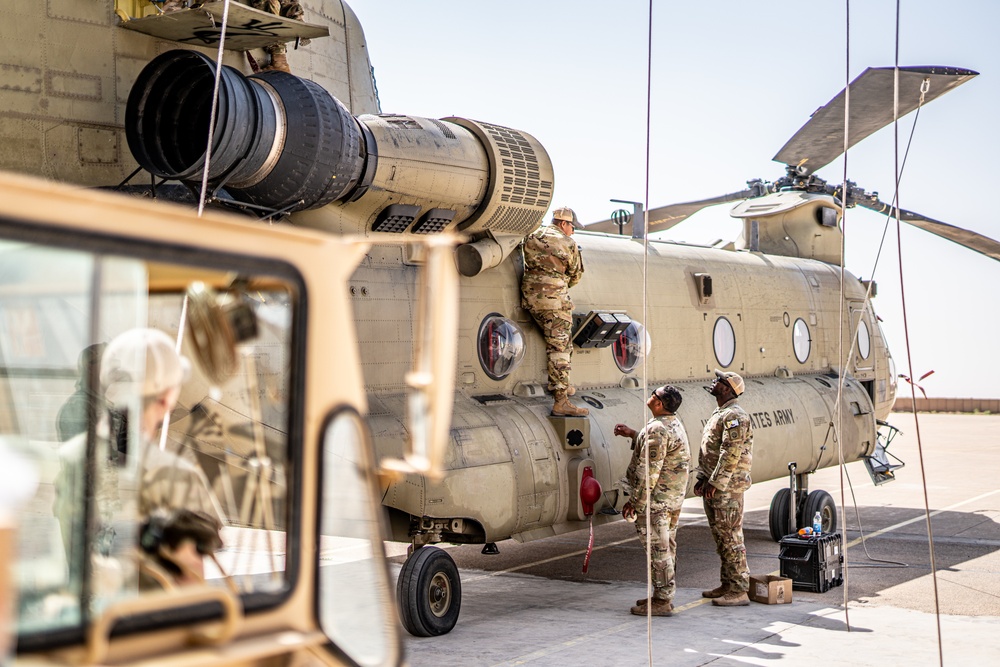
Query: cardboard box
x=770, y=589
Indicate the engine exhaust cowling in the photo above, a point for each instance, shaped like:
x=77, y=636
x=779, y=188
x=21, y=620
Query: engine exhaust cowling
x=279, y=142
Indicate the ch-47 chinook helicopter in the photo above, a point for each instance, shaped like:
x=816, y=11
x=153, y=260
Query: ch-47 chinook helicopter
x=311, y=148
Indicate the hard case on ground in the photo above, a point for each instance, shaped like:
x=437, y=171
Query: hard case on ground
x=813, y=563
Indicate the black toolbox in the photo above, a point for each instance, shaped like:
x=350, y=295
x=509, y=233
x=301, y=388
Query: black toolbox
x=813, y=563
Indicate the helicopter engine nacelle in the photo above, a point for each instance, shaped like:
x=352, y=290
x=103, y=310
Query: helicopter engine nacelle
x=791, y=223
x=284, y=144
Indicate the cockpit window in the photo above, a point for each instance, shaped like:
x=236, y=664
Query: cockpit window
x=97, y=348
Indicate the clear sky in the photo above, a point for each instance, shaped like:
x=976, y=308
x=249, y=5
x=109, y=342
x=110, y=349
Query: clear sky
x=731, y=82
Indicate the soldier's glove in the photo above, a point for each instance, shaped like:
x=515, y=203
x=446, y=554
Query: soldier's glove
x=170, y=528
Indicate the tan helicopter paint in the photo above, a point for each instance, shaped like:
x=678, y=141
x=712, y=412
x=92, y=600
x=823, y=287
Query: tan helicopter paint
x=510, y=469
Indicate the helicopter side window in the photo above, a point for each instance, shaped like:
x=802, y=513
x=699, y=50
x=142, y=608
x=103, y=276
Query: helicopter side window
x=801, y=341
x=109, y=484
x=724, y=342
x=864, y=339
x=500, y=346
x=631, y=346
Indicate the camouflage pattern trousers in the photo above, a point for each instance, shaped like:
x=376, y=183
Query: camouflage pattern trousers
x=725, y=518
x=556, y=326
x=662, y=550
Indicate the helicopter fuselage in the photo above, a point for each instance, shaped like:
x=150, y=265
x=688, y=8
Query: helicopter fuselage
x=514, y=471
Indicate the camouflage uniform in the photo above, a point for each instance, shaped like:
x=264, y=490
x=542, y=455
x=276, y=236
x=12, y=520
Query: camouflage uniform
x=669, y=460
x=552, y=264
x=291, y=9
x=724, y=462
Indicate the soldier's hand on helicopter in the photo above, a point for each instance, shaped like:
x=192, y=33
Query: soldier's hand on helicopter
x=624, y=430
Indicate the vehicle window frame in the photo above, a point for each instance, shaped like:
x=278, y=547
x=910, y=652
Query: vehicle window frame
x=101, y=244
x=378, y=544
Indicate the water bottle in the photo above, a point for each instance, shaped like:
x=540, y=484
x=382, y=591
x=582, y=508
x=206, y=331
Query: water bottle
x=817, y=523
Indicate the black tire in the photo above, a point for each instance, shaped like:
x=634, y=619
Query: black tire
x=429, y=593
x=822, y=502
x=778, y=516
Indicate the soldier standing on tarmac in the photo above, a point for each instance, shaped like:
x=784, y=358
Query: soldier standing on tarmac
x=723, y=477
x=552, y=264
x=667, y=480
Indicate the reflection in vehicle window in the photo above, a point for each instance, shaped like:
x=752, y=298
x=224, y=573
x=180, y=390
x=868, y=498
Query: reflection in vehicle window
x=350, y=615
x=89, y=368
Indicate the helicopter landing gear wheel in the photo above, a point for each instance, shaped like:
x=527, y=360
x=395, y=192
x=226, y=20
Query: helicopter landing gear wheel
x=822, y=502
x=778, y=516
x=429, y=593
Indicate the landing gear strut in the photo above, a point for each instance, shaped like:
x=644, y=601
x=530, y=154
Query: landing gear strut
x=429, y=592
x=795, y=507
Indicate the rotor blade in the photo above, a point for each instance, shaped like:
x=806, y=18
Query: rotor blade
x=821, y=140
x=665, y=217
x=963, y=237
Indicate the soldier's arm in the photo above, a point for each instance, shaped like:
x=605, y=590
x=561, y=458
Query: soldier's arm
x=734, y=432
x=656, y=442
x=575, y=271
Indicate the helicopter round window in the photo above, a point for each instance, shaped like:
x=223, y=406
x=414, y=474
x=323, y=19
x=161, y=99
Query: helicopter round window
x=630, y=346
x=724, y=340
x=864, y=340
x=801, y=342
x=501, y=346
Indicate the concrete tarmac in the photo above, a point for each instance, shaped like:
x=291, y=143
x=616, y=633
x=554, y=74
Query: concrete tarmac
x=532, y=604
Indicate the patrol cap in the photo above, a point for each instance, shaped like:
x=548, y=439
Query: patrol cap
x=141, y=362
x=734, y=380
x=567, y=214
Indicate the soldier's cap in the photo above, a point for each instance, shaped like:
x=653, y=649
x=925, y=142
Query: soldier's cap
x=567, y=214
x=734, y=380
x=141, y=363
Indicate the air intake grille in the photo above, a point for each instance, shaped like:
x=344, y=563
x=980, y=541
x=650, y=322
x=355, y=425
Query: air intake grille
x=518, y=168
x=513, y=220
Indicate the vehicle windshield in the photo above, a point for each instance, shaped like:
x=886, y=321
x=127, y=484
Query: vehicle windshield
x=89, y=369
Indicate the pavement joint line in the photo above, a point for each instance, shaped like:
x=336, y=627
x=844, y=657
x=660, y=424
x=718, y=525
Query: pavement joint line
x=567, y=555
x=569, y=643
x=549, y=560
x=921, y=517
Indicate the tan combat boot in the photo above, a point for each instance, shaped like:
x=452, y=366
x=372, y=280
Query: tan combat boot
x=659, y=608
x=279, y=63
x=716, y=592
x=732, y=599
x=563, y=408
